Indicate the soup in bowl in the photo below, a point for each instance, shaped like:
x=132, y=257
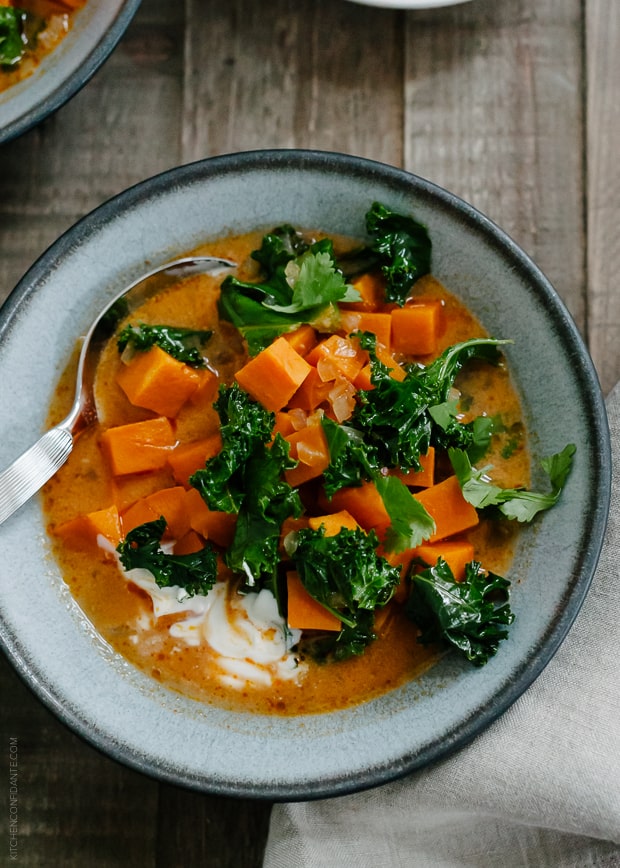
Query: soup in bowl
x=318, y=533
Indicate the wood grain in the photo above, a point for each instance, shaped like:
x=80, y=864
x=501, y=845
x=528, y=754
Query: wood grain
x=603, y=189
x=512, y=105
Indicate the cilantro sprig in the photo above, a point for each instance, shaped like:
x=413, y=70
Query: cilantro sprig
x=514, y=503
x=297, y=288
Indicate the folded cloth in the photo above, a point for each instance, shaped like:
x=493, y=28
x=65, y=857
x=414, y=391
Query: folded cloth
x=539, y=787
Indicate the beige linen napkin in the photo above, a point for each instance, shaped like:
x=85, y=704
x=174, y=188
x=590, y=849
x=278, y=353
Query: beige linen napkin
x=540, y=787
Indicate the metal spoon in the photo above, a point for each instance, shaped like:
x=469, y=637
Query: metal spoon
x=28, y=473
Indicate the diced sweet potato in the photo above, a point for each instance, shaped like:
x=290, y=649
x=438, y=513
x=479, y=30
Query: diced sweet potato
x=379, y=324
x=365, y=504
x=209, y=523
x=186, y=458
x=274, y=375
x=449, y=509
x=419, y=478
x=372, y=293
x=333, y=522
x=303, y=611
x=84, y=531
x=302, y=339
x=171, y=503
x=309, y=447
x=157, y=381
x=416, y=328
x=455, y=552
x=139, y=446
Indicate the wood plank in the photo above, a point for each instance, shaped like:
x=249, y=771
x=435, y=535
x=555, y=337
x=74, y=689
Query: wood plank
x=210, y=831
x=307, y=74
x=494, y=114
x=75, y=807
x=122, y=127
x=603, y=195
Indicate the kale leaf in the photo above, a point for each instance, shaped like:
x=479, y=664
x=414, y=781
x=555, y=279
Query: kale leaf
x=346, y=575
x=514, y=503
x=246, y=477
x=297, y=289
x=180, y=343
x=472, y=615
x=196, y=573
x=351, y=461
x=246, y=426
x=403, y=249
x=268, y=501
x=399, y=417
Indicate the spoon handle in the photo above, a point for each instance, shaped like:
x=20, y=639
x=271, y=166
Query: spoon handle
x=28, y=473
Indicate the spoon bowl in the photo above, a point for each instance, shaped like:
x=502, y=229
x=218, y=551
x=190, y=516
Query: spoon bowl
x=34, y=467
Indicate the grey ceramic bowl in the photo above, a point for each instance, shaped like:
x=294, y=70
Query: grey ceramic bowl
x=96, y=31
x=134, y=719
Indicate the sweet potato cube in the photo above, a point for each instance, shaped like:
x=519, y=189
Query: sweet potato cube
x=170, y=503
x=219, y=527
x=304, y=612
x=186, y=458
x=83, y=532
x=333, y=522
x=139, y=446
x=274, y=375
x=365, y=504
x=206, y=390
x=423, y=478
x=363, y=381
x=455, y=552
x=337, y=356
x=309, y=447
x=449, y=509
x=189, y=543
x=379, y=324
x=372, y=293
x=157, y=381
x=302, y=339
x=312, y=392
x=416, y=328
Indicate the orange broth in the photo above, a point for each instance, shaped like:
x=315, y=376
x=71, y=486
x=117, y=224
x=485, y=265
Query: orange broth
x=121, y=612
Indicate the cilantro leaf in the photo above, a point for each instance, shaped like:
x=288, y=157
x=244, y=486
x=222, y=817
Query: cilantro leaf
x=196, y=573
x=180, y=343
x=514, y=503
x=410, y=523
x=301, y=288
x=472, y=615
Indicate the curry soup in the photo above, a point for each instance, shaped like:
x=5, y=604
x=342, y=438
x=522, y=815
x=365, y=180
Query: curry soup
x=230, y=645
x=38, y=29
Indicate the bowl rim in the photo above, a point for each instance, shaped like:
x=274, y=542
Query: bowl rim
x=599, y=497
x=49, y=103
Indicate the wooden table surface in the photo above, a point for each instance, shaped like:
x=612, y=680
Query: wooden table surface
x=512, y=104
